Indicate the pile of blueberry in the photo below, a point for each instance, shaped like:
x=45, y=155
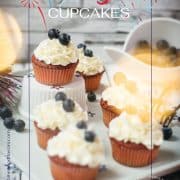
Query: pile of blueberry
x=89, y=136
x=161, y=45
x=63, y=38
x=68, y=104
x=87, y=52
x=8, y=120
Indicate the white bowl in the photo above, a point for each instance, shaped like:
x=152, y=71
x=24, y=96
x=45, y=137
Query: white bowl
x=162, y=28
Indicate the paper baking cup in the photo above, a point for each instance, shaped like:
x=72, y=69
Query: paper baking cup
x=55, y=75
x=62, y=170
x=109, y=112
x=133, y=155
x=92, y=82
x=43, y=136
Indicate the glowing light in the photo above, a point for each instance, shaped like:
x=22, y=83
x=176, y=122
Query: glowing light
x=10, y=40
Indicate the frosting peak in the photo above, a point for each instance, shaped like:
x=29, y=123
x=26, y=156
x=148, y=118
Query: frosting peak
x=71, y=145
x=89, y=65
x=130, y=128
x=51, y=115
x=54, y=53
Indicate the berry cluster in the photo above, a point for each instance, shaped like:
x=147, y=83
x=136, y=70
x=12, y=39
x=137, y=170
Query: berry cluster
x=89, y=136
x=87, y=52
x=161, y=45
x=68, y=104
x=8, y=120
x=64, y=38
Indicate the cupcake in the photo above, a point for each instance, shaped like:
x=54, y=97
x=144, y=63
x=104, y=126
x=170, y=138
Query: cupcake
x=55, y=59
x=115, y=99
x=135, y=140
x=55, y=115
x=90, y=67
x=76, y=153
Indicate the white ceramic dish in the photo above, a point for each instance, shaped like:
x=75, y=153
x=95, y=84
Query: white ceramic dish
x=162, y=28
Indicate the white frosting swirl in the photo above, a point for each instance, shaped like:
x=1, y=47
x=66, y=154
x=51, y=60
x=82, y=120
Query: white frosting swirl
x=71, y=145
x=51, y=115
x=54, y=53
x=120, y=97
x=89, y=65
x=130, y=128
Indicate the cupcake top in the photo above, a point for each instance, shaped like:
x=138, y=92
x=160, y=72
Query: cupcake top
x=123, y=97
x=133, y=128
x=88, y=63
x=78, y=146
x=57, y=50
x=58, y=113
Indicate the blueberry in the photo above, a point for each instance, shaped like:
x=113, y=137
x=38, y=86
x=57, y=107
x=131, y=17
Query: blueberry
x=143, y=44
x=162, y=44
x=81, y=125
x=91, y=96
x=171, y=51
x=64, y=39
x=167, y=132
x=9, y=122
x=60, y=96
x=68, y=105
x=5, y=112
x=90, y=136
x=19, y=125
x=53, y=33
x=88, y=52
x=81, y=45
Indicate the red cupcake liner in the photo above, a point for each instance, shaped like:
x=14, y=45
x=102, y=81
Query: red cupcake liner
x=55, y=75
x=133, y=155
x=43, y=136
x=92, y=82
x=62, y=170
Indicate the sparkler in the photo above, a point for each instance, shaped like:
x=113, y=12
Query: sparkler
x=35, y=4
x=9, y=88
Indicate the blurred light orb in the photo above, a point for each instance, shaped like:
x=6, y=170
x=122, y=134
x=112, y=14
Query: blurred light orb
x=10, y=40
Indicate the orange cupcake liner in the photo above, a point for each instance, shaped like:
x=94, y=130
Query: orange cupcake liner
x=92, y=82
x=43, y=136
x=133, y=155
x=62, y=170
x=55, y=75
x=109, y=112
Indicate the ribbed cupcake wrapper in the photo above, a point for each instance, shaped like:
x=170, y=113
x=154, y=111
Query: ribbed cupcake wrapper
x=133, y=156
x=43, y=136
x=54, y=75
x=108, y=114
x=92, y=83
x=62, y=172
